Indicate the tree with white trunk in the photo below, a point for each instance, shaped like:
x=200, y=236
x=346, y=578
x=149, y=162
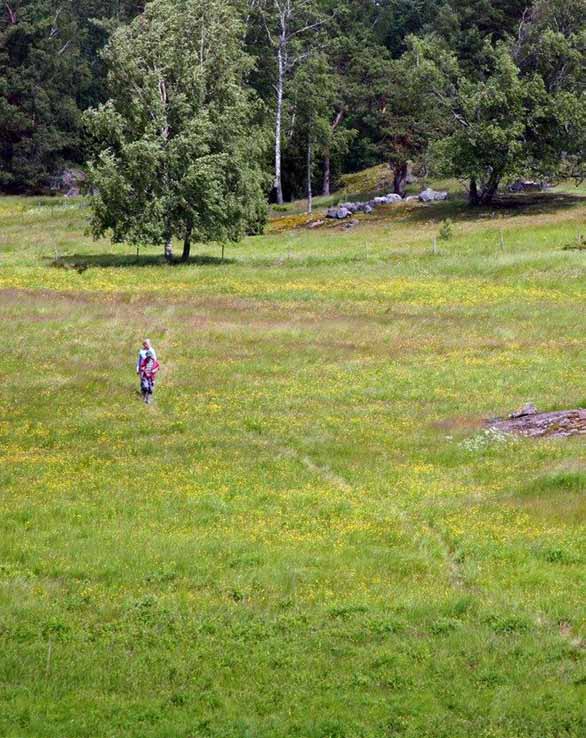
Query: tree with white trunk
x=292, y=29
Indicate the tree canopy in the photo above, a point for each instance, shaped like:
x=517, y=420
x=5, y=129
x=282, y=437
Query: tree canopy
x=478, y=89
x=178, y=146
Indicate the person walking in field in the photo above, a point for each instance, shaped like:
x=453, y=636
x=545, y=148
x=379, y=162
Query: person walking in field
x=147, y=368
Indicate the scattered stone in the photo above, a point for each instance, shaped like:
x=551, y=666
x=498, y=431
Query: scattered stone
x=338, y=213
x=559, y=424
x=527, y=185
x=389, y=199
x=348, y=208
x=351, y=224
x=345, y=209
x=315, y=223
x=356, y=207
x=430, y=195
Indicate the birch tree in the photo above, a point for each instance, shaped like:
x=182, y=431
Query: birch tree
x=291, y=28
x=314, y=95
x=178, y=146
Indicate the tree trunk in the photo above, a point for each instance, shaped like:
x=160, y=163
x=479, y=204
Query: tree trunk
x=327, y=175
x=485, y=195
x=490, y=189
x=278, y=186
x=186, y=246
x=327, y=184
x=309, y=192
x=401, y=172
x=169, y=249
x=473, y=197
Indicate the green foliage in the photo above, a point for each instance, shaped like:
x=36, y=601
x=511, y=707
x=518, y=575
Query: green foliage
x=552, y=48
x=446, y=231
x=178, y=144
x=509, y=72
x=49, y=71
x=503, y=123
x=41, y=70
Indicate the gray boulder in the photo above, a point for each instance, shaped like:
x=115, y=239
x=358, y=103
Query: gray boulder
x=526, y=185
x=430, y=195
x=528, y=409
x=69, y=182
x=389, y=199
x=338, y=213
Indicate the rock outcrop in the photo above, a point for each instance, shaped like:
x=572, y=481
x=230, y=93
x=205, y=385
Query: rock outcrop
x=533, y=424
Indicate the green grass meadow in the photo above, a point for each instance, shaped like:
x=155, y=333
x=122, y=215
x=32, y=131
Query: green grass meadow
x=310, y=533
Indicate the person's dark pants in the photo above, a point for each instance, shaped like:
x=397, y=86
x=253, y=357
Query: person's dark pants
x=147, y=386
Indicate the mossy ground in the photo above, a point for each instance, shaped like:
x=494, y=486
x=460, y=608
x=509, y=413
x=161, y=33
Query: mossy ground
x=309, y=533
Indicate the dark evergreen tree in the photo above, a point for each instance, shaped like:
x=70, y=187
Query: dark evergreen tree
x=41, y=72
x=50, y=70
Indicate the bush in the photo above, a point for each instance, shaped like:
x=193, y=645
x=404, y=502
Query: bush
x=446, y=231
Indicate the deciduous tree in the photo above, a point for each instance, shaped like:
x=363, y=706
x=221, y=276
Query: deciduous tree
x=180, y=141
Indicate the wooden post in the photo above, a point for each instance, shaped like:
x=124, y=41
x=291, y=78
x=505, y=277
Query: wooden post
x=434, y=246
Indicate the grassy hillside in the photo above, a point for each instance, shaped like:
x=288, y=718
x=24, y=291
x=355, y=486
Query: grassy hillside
x=309, y=534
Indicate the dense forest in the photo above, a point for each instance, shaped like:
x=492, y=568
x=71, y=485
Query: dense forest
x=482, y=90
